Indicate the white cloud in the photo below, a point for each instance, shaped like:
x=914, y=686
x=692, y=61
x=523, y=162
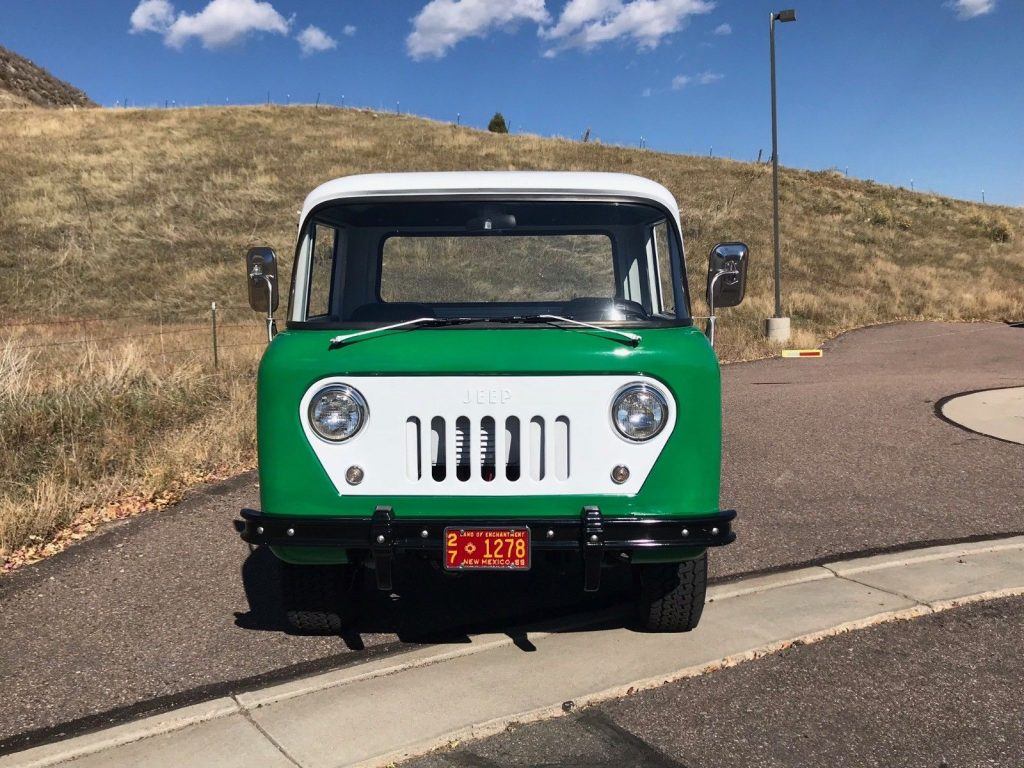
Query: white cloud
x=646, y=93
x=704, y=78
x=220, y=23
x=968, y=9
x=152, y=16
x=723, y=29
x=577, y=13
x=349, y=30
x=588, y=23
x=226, y=22
x=314, y=40
x=442, y=24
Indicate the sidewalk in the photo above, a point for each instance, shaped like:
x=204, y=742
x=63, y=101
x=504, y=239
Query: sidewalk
x=998, y=413
x=384, y=711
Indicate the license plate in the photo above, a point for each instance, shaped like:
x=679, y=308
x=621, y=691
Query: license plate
x=485, y=549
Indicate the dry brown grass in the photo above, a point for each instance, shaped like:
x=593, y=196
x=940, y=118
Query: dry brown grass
x=98, y=430
x=106, y=213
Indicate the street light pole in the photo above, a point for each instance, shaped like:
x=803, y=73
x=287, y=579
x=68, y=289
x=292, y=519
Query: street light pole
x=777, y=327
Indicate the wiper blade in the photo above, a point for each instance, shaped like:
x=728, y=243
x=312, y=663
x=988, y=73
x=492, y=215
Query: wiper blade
x=438, y=322
x=631, y=338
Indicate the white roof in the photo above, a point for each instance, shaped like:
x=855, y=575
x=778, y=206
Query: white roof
x=492, y=183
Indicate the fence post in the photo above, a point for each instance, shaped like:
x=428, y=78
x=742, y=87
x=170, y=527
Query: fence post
x=213, y=329
x=160, y=320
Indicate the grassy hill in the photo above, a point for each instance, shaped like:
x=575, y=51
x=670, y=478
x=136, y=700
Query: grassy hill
x=163, y=203
x=136, y=220
x=25, y=84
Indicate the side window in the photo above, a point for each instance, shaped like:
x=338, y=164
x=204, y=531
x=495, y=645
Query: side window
x=321, y=271
x=664, y=251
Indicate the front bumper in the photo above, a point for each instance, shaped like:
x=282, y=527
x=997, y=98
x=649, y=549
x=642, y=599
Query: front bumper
x=593, y=534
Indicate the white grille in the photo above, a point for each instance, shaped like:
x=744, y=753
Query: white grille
x=497, y=456
x=487, y=436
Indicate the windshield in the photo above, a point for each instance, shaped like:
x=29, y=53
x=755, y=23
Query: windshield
x=388, y=262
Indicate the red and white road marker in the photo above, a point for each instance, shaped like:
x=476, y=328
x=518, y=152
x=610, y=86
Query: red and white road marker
x=801, y=353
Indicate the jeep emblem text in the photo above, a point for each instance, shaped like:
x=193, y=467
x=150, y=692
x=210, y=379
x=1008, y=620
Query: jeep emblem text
x=488, y=396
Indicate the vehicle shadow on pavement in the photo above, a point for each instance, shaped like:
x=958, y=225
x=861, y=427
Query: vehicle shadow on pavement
x=429, y=606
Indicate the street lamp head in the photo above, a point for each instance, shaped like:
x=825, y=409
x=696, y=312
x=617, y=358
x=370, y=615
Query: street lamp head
x=787, y=15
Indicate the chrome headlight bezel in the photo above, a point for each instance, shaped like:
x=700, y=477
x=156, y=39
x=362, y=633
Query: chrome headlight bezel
x=639, y=387
x=357, y=399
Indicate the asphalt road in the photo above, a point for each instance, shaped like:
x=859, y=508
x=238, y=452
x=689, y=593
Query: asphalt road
x=822, y=457
x=936, y=692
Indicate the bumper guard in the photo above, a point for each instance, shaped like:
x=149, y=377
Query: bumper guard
x=592, y=534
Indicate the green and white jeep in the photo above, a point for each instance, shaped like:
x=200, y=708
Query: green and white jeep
x=486, y=370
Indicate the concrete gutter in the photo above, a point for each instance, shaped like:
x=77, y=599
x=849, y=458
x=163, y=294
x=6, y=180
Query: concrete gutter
x=391, y=709
x=997, y=413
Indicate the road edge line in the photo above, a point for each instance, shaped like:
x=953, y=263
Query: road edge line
x=942, y=552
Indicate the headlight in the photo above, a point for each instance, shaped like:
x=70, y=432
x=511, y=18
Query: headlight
x=639, y=412
x=337, y=412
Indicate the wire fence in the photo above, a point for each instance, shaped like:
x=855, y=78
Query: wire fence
x=173, y=335
x=153, y=316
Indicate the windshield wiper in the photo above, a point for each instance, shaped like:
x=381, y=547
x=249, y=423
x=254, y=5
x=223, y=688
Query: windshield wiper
x=631, y=338
x=438, y=322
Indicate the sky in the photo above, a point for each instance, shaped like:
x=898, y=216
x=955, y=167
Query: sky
x=926, y=94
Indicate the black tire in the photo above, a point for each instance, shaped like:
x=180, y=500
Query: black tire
x=316, y=598
x=671, y=595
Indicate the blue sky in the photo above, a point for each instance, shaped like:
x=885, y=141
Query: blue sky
x=929, y=92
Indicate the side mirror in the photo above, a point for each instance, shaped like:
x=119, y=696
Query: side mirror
x=261, y=268
x=727, y=275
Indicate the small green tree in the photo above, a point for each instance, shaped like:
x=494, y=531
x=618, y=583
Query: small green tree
x=497, y=124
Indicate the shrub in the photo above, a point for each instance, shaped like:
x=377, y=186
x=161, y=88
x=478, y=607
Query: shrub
x=995, y=228
x=879, y=215
x=497, y=124
x=882, y=215
x=999, y=230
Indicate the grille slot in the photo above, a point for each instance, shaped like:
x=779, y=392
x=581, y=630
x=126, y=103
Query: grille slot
x=488, y=471
x=463, y=437
x=438, y=449
x=560, y=448
x=512, y=452
x=508, y=450
x=413, y=455
x=537, y=445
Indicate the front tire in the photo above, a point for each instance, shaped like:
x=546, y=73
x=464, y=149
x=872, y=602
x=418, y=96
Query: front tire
x=670, y=596
x=316, y=598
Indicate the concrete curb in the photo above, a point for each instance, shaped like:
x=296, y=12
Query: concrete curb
x=432, y=654
x=339, y=718
x=64, y=751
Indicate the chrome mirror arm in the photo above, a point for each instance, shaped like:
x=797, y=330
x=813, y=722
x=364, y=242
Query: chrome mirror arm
x=711, y=301
x=256, y=274
x=270, y=307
